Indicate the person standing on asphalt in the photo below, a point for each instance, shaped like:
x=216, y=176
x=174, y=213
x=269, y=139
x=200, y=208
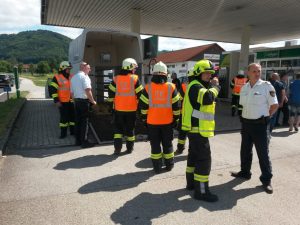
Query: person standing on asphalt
x=284, y=108
x=198, y=120
x=236, y=85
x=294, y=104
x=182, y=135
x=82, y=93
x=159, y=104
x=123, y=92
x=176, y=81
x=59, y=90
x=259, y=102
x=280, y=94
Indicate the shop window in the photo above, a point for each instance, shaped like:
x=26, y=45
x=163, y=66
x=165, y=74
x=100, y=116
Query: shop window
x=286, y=63
x=273, y=63
x=296, y=62
x=263, y=64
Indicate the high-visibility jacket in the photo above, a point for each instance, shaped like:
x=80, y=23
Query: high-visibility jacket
x=63, y=89
x=125, y=95
x=160, y=103
x=238, y=84
x=205, y=113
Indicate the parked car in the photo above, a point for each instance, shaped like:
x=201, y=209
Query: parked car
x=5, y=80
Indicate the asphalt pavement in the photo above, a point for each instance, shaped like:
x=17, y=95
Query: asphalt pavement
x=52, y=184
x=91, y=186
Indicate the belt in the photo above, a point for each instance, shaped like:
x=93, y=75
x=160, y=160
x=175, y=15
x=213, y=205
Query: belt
x=261, y=120
x=81, y=99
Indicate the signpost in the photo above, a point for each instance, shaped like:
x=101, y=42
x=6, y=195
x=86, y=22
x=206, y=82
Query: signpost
x=150, y=47
x=17, y=81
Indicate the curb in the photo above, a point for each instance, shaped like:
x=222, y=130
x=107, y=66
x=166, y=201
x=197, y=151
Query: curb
x=5, y=136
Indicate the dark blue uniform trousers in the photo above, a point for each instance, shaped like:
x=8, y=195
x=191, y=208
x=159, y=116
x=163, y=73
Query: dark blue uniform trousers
x=256, y=133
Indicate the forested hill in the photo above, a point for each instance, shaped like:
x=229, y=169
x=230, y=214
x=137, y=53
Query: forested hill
x=34, y=46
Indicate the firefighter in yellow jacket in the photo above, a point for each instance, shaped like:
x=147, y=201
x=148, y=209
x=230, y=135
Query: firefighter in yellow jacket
x=59, y=90
x=198, y=120
x=182, y=134
x=159, y=104
x=124, y=92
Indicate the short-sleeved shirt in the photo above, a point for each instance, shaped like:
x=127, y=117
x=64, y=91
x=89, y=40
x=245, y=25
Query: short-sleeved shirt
x=278, y=89
x=79, y=82
x=256, y=101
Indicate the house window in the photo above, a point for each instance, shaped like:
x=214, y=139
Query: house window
x=183, y=65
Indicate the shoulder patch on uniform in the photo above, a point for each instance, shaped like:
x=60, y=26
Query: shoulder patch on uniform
x=272, y=93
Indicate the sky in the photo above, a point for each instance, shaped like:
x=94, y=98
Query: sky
x=24, y=15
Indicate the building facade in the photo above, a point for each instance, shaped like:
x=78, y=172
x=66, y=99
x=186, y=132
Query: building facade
x=181, y=61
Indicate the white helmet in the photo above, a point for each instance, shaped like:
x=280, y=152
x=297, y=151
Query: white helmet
x=160, y=67
x=241, y=72
x=129, y=64
x=64, y=65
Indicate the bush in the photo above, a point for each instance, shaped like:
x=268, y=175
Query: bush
x=43, y=67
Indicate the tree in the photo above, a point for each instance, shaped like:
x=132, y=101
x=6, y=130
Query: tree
x=31, y=69
x=43, y=67
x=20, y=68
x=5, y=66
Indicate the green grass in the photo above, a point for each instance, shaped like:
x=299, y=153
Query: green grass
x=9, y=108
x=39, y=80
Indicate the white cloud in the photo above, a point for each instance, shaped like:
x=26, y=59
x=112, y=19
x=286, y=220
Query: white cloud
x=15, y=14
x=23, y=15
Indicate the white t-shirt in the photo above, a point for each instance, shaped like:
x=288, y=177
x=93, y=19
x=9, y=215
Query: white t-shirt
x=79, y=82
x=256, y=101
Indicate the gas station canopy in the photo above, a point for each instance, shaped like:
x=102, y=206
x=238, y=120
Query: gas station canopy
x=215, y=20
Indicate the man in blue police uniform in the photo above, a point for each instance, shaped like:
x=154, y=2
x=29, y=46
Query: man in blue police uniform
x=259, y=102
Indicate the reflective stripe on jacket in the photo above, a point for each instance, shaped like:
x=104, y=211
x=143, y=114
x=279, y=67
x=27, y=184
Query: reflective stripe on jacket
x=125, y=97
x=63, y=89
x=205, y=114
x=238, y=84
x=160, y=103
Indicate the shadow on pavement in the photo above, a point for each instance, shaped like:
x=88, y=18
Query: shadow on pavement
x=117, y=182
x=282, y=133
x=147, y=206
x=147, y=164
x=85, y=162
x=43, y=153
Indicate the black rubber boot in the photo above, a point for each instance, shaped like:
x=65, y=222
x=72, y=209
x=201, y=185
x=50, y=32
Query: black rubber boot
x=202, y=192
x=157, y=164
x=129, y=146
x=118, y=146
x=72, y=130
x=63, y=132
x=169, y=164
x=179, y=150
x=189, y=181
x=232, y=111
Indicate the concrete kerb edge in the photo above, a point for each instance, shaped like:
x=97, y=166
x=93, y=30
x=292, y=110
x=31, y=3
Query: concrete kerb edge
x=5, y=136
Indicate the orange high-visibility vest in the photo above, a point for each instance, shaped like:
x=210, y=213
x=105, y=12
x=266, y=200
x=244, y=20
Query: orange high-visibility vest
x=160, y=103
x=125, y=97
x=238, y=84
x=63, y=90
x=184, y=86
